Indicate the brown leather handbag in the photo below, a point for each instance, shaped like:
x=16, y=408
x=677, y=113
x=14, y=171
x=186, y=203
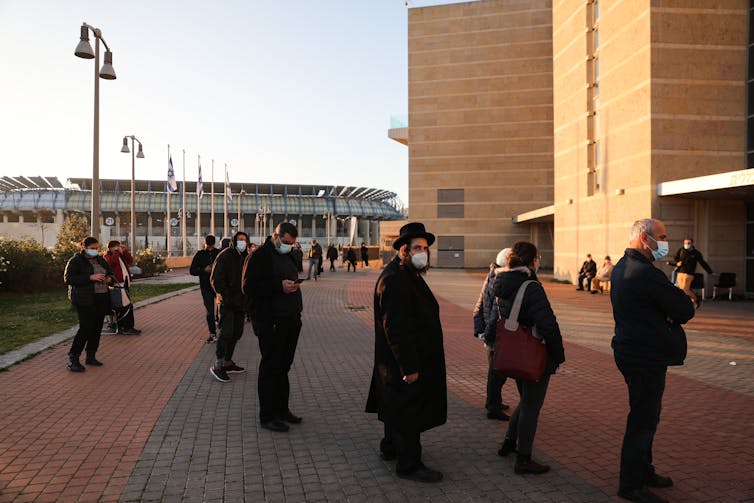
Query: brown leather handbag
x=519, y=353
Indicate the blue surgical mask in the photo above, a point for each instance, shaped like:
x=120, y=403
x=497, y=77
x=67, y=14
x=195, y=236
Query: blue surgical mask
x=662, y=248
x=91, y=252
x=284, y=248
x=241, y=246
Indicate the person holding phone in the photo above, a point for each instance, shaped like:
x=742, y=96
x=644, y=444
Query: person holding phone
x=273, y=292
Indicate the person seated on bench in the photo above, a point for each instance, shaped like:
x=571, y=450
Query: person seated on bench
x=603, y=275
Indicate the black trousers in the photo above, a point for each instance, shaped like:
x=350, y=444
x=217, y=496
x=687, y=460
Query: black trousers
x=332, y=265
x=494, y=386
x=646, y=385
x=278, y=338
x=90, y=325
x=588, y=279
x=124, y=318
x=406, y=443
x=351, y=263
x=208, y=297
x=523, y=423
x=231, y=330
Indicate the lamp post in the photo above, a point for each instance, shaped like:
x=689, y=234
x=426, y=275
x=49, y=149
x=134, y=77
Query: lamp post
x=140, y=155
x=84, y=50
x=240, y=194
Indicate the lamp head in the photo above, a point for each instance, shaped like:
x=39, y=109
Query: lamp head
x=125, y=148
x=108, y=72
x=84, y=49
x=140, y=154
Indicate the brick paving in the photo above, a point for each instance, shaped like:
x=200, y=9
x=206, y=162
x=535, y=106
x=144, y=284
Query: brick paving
x=153, y=425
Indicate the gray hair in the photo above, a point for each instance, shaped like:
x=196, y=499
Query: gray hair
x=644, y=225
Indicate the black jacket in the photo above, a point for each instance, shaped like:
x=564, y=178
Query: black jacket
x=690, y=258
x=535, y=311
x=332, y=253
x=263, y=284
x=226, y=277
x=589, y=268
x=202, y=259
x=407, y=339
x=486, y=312
x=645, y=306
x=76, y=276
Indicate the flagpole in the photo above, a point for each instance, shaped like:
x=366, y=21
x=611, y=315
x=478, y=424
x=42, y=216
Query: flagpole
x=225, y=202
x=199, y=206
x=167, y=210
x=212, y=201
x=183, y=207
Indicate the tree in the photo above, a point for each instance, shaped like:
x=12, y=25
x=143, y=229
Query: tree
x=73, y=230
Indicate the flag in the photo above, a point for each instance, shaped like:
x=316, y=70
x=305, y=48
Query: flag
x=172, y=184
x=228, y=193
x=199, y=184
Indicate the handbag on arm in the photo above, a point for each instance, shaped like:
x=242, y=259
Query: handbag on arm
x=519, y=353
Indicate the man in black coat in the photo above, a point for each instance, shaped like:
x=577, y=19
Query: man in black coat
x=408, y=389
x=332, y=256
x=587, y=272
x=365, y=254
x=226, y=281
x=648, y=312
x=201, y=265
x=685, y=261
x=275, y=305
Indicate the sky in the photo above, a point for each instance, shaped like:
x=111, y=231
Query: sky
x=284, y=91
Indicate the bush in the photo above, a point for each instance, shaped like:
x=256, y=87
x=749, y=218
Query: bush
x=150, y=263
x=27, y=266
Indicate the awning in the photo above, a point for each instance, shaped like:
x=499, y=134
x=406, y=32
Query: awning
x=546, y=214
x=729, y=185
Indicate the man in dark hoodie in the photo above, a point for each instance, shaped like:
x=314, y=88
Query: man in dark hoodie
x=226, y=281
x=275, y=305
x=201, y=266
x=648, y=312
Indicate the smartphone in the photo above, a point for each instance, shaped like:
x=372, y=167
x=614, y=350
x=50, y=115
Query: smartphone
x=300, y=280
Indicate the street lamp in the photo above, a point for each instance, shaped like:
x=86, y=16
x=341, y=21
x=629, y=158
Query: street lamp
x=140, y=155
x=240, y=194
x=84, y=50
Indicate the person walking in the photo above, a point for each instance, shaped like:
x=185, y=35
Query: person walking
x=685, y=261
x=536, y=312
x=332, y=256
x=351, y=258
x=201, y=265
x=408, y=389
x=587, y=272
x=88, y=276
x=226, y=281
x=364, y=255
x=485, y=316
x=298, y=257
x=275, y=305
x=315, y=257
x=648, y=312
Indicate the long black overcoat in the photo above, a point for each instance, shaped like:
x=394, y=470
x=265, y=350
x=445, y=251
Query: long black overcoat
x=408, y=339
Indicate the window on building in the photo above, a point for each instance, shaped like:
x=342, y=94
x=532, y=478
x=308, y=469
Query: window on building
x=450, y=203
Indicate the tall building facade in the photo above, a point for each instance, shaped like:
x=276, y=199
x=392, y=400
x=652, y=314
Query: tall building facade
x=529, y=119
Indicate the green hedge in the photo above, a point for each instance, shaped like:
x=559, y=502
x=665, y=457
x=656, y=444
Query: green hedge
x=27, y=266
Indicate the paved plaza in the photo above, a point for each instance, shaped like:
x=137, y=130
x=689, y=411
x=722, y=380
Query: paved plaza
x=153, y=425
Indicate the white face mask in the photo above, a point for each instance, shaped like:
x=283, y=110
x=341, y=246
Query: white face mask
x=241, y=246
x=419, y=260
x=662, y=248
x=686, y=247
x=284, y=248
x=92, y=252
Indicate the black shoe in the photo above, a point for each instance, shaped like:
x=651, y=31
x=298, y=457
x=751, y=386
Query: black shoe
x=497, y=414
x=130, y=331
x=421, y=474
x=508, y=447
x=90, y=360
x=527, y=465
x=594, y=292
x=232, y=368
x=659, y=481
x=388, y=454
x=579, y=289
x=504, y=406
x=642, y=495
x=275, y=425
x=212, y=338
x=289, y=417
x=75, y=366
x=219, y=374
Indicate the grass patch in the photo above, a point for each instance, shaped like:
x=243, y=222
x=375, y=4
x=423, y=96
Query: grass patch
x=29, y=317
x=561, y=281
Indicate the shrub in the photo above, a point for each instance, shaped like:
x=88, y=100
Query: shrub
x=26, y=266
x=150, y=263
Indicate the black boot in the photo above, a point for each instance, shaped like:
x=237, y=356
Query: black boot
x=91, y=360
x=75, y=366
x=525, y=464
x=509, y=445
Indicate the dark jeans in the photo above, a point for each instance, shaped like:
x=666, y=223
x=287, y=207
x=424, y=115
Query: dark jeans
x=407, y=446
x=332, y=265
x=494, y=386
x=90, y=325
x=208, y=296
x=351, y=263
x=278, y=338
x=523, y=423
x=230, y=332
x=646, y=384
x=588, y=279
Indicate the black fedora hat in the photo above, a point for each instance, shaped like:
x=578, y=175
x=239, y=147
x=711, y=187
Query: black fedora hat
x=410, y=231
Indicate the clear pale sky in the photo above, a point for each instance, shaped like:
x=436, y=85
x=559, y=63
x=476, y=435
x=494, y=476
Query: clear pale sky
x=284, y=91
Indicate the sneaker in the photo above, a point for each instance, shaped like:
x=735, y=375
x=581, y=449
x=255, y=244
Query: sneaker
x=642, y=495
x=232, y=368
x=528, y=465
x=75, y=366
x=93, y=361
x=659, y=481
x=219, y=374
x=212, y=338
x=130, y=331
x=108, y=330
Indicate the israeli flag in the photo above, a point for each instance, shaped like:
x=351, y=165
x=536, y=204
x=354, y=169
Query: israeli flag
x=228, y=193
x=172, y=184
x=199, y=184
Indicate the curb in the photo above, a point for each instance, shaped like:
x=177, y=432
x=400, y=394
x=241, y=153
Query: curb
x=30, y=350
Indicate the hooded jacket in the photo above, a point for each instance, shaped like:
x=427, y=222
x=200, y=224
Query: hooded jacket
x=486, y=311
x=226, y=277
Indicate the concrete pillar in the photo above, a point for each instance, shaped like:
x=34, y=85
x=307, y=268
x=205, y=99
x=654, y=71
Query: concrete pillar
x=117, y=224
x=314, y=227
x=20, y=218
x=149, y=227
x=5, y=218
x=59, y=217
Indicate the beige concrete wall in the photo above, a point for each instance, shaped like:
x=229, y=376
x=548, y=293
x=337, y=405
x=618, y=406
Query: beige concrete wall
x=480, y=118
x=45, y=233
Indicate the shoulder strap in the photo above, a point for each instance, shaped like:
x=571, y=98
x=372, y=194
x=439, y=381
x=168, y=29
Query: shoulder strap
x=512, y=322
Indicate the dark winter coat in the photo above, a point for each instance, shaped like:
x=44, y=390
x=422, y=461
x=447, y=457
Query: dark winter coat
x=263, y=283
x=298, y=258
x=535, y=311
x=332, y=253
x=76, y=276
x=689, y=259
x=486, y=310
x=226, y=277
x=202, y=259
x=646, y=308
x=408, y=339
x=589, y=268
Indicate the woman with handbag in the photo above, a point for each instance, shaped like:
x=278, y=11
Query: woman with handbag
x=535, y=312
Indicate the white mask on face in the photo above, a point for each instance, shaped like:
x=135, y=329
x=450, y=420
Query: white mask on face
x=662, y=248
x=686, y=247
x=284, y=248
x=92, y=252
x=241, y=246
x=419, y=260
